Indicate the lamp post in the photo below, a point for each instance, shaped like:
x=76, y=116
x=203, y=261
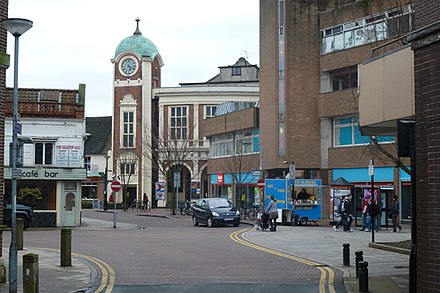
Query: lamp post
x=17, y=27
x=106, y=181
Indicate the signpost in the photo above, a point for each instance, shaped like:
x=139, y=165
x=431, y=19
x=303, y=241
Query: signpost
x=371, y=173
x=177, y=185
x=115, y=186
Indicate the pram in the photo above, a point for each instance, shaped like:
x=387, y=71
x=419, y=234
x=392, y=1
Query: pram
x=263, y=221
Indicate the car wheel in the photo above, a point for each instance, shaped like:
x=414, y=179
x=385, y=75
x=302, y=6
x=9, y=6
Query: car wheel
x=210, y=223
x=195, y=223
x=236, y=224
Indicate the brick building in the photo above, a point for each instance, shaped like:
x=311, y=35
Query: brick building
x=4, y=64
x=426, y=46
x=310, y=52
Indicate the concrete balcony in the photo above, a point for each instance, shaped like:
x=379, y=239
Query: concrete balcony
x=386, y=91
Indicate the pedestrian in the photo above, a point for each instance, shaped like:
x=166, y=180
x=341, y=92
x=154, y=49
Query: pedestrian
x=395, y=214
x=344, y=212
x=145, y=203
x=347, y=226
x=364, y=211
x=273, y=213
x=372, y=213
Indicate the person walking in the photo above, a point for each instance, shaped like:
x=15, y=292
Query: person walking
x=395, y=214
x=272, y=211
x=344, y=211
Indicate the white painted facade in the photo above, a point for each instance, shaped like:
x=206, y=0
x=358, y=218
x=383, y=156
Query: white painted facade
x=55, y=186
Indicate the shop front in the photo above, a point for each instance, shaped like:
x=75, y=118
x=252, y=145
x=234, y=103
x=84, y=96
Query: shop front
x=53, y=193
x=384, y=189
x=241, y=188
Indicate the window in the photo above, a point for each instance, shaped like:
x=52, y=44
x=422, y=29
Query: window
x=222, y=145
x=338, y=80
x=127, y=168
x=210, y=111
x=179, y=123
x=128, y=130
x=240, y=143
x=391, y=23
x=344, y=79
x=347, y=133
x=43, y=153
x=87, y=162
x=236, y=71
x=243, y=143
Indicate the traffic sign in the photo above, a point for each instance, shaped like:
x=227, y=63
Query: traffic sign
x=116, y=186
x=261, y=183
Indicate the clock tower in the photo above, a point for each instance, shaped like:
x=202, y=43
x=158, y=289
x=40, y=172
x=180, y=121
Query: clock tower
x=137, y=71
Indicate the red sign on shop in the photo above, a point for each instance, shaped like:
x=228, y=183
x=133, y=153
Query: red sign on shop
x=220, y=178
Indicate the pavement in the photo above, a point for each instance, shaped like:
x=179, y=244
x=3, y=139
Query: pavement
x=387, y=268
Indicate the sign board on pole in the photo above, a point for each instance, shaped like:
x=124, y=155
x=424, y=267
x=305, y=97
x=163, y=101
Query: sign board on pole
x=292, y=171
x=370, y=170
x=116, y=186
x=176, y=179
x=261, y=183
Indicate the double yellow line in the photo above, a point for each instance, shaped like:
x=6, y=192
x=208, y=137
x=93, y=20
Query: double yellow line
x=324, y=281
x=107, y=273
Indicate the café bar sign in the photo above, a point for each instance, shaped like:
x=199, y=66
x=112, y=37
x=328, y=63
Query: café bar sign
x=29, y=173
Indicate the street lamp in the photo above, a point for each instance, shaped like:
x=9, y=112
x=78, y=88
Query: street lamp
x=106, y=181
x=17, y=27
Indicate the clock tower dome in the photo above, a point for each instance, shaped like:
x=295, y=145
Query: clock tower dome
x=137, y=70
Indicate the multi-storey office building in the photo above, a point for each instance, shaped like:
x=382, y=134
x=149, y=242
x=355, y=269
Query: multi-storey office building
x=310, y=52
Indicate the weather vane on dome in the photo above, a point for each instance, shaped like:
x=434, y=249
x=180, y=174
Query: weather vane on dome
x=137, y=32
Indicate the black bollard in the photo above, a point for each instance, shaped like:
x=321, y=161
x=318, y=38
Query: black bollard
x=359, y=257
x=363, y=276
x=346, y=254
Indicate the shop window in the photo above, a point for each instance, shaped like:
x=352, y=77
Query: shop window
x=43, y=153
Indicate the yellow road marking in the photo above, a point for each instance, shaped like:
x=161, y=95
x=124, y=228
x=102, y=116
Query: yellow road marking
x=108, y=275
x=235, y=236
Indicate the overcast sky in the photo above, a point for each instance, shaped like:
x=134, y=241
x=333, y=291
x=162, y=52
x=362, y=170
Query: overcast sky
x=72, y=41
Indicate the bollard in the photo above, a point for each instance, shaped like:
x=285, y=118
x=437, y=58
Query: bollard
x=66, y=248
x=346, y=254
x=20, y=228
x=30, y=273
x=359, y=257
x=363, y=276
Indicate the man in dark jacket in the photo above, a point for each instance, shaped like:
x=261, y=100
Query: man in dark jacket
x=344, y=212
x=372, y=214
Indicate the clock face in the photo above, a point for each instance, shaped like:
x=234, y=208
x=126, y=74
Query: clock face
x=128, y=66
